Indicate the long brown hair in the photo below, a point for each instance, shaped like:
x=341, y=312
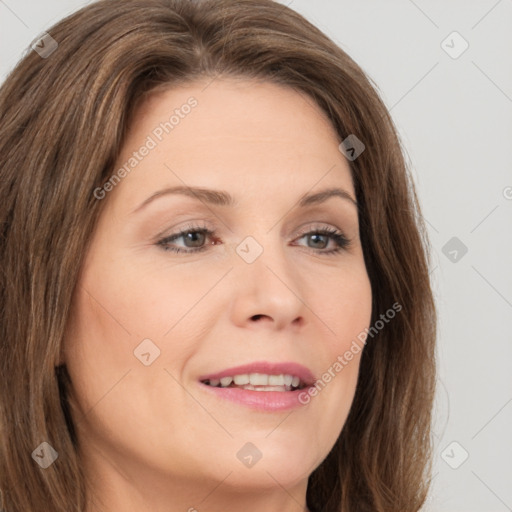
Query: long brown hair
x=63, y=121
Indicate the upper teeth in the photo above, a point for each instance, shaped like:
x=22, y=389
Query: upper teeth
x=257, y=379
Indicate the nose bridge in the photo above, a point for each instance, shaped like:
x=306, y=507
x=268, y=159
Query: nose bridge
x=260, y=234
x=261, y=250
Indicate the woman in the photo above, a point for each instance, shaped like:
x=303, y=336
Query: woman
x=215, y=288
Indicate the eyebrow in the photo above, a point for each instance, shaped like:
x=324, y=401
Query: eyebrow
x=223, y=198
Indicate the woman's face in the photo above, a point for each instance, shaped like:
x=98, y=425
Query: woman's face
x=149, y=324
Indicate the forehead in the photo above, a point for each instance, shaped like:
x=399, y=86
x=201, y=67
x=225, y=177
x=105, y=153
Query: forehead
x=235, y=134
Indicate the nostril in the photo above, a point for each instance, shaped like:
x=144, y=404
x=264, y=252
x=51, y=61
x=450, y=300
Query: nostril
x=256, y=317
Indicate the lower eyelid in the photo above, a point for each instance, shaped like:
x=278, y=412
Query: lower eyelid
x=341, y=241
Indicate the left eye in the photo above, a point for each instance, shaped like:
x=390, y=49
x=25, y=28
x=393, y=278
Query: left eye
x=197, y=237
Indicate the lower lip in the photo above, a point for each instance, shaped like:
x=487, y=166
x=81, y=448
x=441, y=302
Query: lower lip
x=261, y=400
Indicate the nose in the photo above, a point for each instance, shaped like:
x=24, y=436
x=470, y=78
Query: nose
x=268, y=291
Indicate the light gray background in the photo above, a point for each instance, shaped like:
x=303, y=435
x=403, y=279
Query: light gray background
x=455, y=118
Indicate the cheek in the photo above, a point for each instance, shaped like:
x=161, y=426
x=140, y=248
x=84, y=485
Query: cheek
x=150, y=301
x=113, y=389
x=115, y=312
x=97, y=345
x=345, y=307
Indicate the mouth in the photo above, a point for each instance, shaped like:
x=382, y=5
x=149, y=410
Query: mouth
x=258, y=382
x=269, y=387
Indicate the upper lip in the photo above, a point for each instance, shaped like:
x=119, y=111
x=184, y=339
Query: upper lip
x=287, y=368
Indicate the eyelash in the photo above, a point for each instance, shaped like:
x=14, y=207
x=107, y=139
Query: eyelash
x=340, y=239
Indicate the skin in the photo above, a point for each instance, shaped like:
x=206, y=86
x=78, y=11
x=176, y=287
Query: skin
x=150, y=437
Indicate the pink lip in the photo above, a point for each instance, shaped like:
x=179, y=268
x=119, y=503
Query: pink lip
x=300, y=371
x=262, y=400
